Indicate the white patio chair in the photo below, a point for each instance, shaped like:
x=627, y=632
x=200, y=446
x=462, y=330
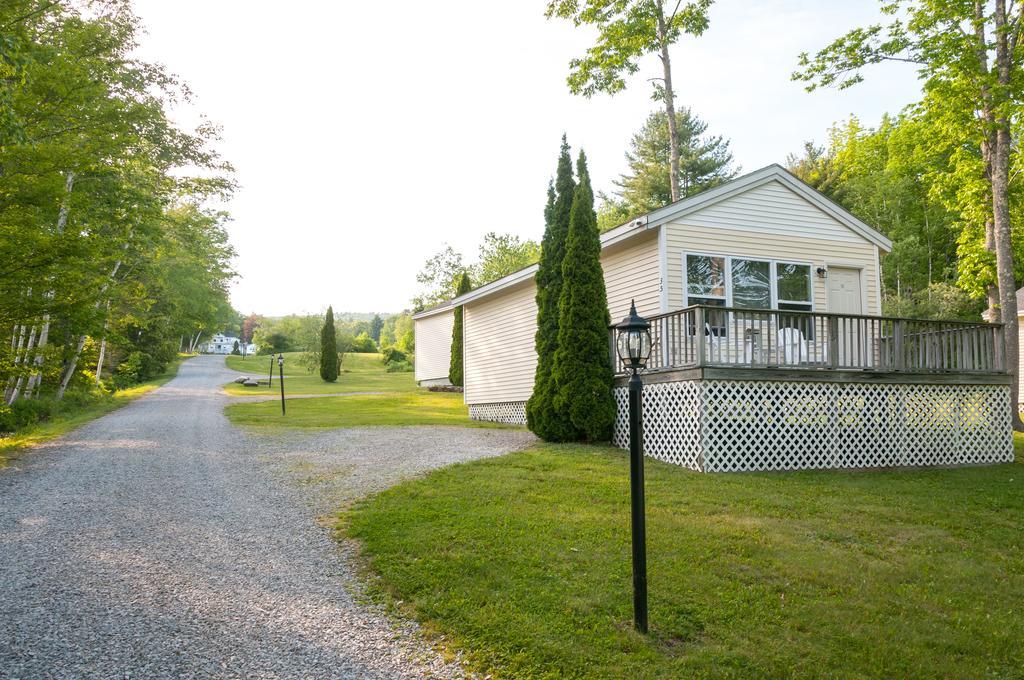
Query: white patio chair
x=714, y=344
x=792, y=346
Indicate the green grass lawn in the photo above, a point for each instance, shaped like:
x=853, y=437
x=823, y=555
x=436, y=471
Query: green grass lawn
x=401, y=401
x=359, y=410
x=12, y=445
x=360, y=373
x=523, y=562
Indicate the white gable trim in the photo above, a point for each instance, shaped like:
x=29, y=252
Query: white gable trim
x=439, y=308
x=495, y=286
x=758, y=178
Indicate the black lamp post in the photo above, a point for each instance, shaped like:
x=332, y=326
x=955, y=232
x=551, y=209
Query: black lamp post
x=280, y=376
x=634, y=348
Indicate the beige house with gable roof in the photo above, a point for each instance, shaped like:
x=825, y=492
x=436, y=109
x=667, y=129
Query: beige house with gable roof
x=784, y=283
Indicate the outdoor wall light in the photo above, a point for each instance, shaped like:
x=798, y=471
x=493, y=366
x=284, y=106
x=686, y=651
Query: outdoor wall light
x=821, y=272
x=634, y=349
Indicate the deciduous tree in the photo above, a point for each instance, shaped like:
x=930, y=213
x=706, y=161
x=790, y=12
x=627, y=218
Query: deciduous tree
x=971, y=66
x=503, y=254
x=628, y=30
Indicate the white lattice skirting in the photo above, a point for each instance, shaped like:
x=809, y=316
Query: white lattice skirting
x=733, y=425
x=510, y=412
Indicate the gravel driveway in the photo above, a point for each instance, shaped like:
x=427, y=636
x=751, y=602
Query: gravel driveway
x=159, y=541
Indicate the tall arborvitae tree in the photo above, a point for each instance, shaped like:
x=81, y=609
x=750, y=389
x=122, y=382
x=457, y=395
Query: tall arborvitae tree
x=455, y=375
x=582, y=369
x=541, y=416
x=329, y=365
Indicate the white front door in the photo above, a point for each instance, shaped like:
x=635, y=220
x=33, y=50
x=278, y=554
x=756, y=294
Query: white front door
x=844, y=297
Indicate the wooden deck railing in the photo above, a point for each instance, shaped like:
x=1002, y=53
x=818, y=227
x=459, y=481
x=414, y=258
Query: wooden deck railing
x=702, y=336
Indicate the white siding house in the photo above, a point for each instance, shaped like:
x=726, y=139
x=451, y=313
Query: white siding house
x=761, y=292
x=433, y=331
x=224, y=344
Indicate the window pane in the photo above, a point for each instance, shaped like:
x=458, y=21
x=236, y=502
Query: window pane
x=705, y=275
x=794, y=282
x=751, y=287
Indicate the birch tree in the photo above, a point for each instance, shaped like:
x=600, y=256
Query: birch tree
x=629, y=30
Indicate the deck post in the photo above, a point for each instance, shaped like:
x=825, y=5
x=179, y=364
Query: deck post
x=833, y=342
x=698, y=329
x=898, y=328
x=998, y=349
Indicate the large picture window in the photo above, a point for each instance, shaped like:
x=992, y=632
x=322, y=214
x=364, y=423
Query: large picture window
x=747, y=283
x=751, y=284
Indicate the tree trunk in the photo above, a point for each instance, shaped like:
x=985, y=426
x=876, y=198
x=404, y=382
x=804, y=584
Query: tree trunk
x=16, y=348
x=70, y=372
x=670, y=107
x=1001, y=218
x=62, y=220
x=16, y=390
x=103, y=347
x=37, y=372
x=1004, y=269
x=99, y=361
x=992, y=292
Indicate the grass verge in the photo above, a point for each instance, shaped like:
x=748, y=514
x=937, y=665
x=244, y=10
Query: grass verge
x=360, y=373
x=359, y=410
x=11, y=446
x=523, y=562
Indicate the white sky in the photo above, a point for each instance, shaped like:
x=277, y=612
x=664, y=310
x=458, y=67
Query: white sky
x=367, y=134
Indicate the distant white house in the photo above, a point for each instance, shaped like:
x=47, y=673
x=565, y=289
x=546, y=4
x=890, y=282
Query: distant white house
x=224, y=344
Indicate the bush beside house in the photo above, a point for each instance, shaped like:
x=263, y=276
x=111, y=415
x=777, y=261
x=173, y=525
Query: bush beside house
x=541, y=416
x=572, y=393
x=581, y=370
x=455, y=373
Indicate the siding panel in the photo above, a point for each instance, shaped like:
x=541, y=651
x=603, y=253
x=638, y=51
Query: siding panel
x=501, y=360
x=433, y=345
x=786, y=226
x=633, y=272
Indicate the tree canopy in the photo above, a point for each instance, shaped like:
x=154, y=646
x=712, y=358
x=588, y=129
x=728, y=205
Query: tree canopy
x=971, y=67
x=628, y=30
x=110, y=247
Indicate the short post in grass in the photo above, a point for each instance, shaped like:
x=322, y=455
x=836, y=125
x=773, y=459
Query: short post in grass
x=280, y=377
x=270, y=384
x=633, y=346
